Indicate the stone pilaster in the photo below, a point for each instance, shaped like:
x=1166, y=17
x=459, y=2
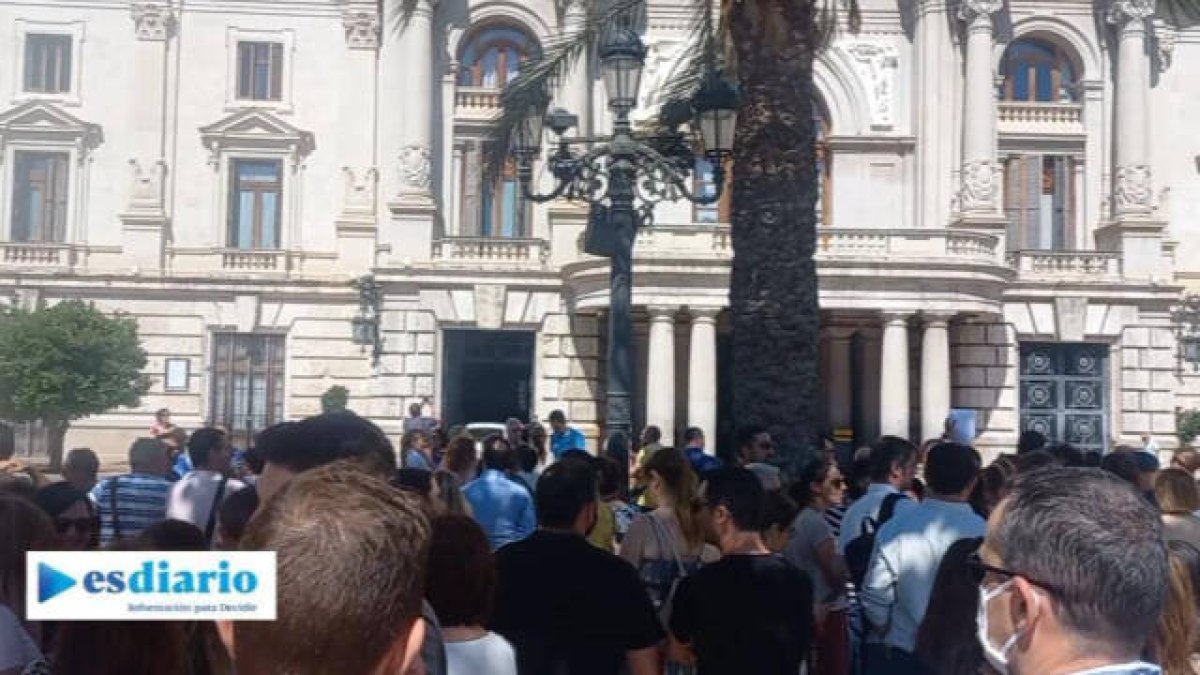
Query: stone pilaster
x=935, y=375
x=357, y=222
x=660, y=372
x=702, y=374
x=893, y=376
x=979, y=202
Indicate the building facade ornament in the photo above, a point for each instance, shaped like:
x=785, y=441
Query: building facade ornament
x=1125, y=11
x=416, y=172
x=146, y=190
x=980, y=186
x=970, y=10
x=876, y=64
x=153, y=20
x=1165, y=36
x=362, y=27
x=1132, y=189
x=359, y=189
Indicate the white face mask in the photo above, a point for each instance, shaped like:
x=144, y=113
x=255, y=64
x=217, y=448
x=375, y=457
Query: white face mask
x=996, y=658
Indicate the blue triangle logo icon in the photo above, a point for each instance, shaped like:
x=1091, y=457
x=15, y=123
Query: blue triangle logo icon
x=51, y=582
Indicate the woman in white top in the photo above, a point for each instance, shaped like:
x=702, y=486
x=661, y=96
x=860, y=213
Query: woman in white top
x=23, y=527
x=812, y=548
x=460, y=584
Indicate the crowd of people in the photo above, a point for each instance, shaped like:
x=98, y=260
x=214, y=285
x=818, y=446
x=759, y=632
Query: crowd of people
x=521, y=553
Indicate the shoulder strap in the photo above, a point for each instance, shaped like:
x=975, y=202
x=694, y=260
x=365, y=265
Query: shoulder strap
x=112, y=506
x=212, y=512
x=889, y=506
x=667, y=544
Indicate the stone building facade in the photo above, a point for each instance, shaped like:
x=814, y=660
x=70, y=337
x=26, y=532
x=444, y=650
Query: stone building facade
x=1010, y=196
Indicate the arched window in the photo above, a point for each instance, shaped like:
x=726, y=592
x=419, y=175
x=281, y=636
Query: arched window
x=493, y=57
x=1037, y=71
x=719, y=212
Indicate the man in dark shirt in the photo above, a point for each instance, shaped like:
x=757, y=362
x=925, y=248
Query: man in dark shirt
x=566, y=606
x=750, y=612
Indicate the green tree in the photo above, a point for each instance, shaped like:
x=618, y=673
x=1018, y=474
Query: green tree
x=335, y=399
x=1187, y=425
x=66, y=362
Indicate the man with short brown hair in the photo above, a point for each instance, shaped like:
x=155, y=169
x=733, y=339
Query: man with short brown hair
x=351, y=553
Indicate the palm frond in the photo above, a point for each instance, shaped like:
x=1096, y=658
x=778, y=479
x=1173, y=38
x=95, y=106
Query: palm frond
x=1181, y=13
x=539, y=77
x=397, y=19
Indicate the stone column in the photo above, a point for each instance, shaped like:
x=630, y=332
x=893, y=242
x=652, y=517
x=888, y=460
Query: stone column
x=660, y=372
x=1132, y=188
x=575, y=93
x=893, y=376
x=702, y=374
x=144, y=219
x=839, y=389
x=406, y=139
x=356, y=222
x=935, y=375
x=979, y=189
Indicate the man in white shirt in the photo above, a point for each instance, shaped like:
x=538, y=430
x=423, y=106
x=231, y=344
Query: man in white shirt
x=893, y=467
x=196, y=497
x=1075, y=576
x=908, y=551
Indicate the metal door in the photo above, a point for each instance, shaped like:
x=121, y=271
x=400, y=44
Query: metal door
x=1064, y=393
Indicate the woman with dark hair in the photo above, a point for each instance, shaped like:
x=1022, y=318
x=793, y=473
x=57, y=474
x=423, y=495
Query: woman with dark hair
x=946, y=642
x=812, y=548
x=23, y=528
x=617, y=448
x=992, y=485
x=462, y=459
x=73, y=515
x=447, y=494
x=1174, y=642
x=539, y=440
x=1177, y=496
x=461, y=584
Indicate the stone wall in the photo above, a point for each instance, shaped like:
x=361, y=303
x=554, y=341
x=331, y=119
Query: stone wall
x=568, y=371
x=985, y=362
x=1148, y=380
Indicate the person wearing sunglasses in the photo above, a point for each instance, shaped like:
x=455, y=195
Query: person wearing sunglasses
x=72, y=513
x=1075, y=577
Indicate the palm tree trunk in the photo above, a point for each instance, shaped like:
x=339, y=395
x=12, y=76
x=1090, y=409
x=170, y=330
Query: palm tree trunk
x=773, y=289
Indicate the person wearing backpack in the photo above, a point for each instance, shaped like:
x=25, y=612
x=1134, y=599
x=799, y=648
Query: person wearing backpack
x=893, y=465
x=908, y=551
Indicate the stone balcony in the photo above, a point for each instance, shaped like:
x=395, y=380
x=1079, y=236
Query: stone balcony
x=1019, y=118
x=476, y=103
x=479, y=252
x=1067, y=266
x=37, y=255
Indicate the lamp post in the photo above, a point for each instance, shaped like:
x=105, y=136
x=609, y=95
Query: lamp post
x=622, y=177
x=1187, y=326
x=365, y=329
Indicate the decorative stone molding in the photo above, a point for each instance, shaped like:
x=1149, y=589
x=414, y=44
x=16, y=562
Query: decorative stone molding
x=979, y=188
x=146, y=189
x=255, y=129
x=1165, y=36
x=970, y=10
x=876, y=64
x=1132, y=190
x=1126, y=11
x=359, y=190
x=416, y=171
x=362, y=27
x=48, y=125
x=153, y=21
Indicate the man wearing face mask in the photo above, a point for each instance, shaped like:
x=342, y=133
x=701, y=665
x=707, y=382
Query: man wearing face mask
x=1075, y=577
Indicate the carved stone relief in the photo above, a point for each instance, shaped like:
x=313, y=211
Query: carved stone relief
x=876, y=64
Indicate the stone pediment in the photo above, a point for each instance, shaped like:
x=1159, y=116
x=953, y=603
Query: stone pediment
x=45, y=121
x=253, y=128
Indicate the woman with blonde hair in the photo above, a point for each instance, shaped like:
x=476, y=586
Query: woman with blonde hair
x=1177, y=497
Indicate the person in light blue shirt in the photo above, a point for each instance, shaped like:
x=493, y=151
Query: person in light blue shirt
x=564, y=438
x=908, y=552
x=502, y=505
x=893, y=465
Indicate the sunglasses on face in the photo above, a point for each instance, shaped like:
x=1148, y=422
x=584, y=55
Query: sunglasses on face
x=982, y=569
x=78, y=524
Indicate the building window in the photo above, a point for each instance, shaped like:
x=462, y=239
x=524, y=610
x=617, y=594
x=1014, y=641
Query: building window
x=1037, y=71
x=247, y=383
x=493, y=57
x=260, y=71
x=254, y=204
x=491, y=206
x=47, y=63
x=1039, y=200
x=40, y=188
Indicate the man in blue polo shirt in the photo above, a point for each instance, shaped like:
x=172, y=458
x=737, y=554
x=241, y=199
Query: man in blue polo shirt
x=565, y=438
x=502, y=506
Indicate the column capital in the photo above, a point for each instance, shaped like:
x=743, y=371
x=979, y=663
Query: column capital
x=1125, y=12
x=978, y=12
x=153, y=21
x=704, y=314
x=934, y=318
x=662, y=312
x=362, y=26
x=893, y=317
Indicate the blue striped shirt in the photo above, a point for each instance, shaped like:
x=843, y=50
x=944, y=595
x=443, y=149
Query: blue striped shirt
x=141, y=502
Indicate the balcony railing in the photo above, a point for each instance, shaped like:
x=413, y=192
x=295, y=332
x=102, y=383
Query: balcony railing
x=1067, y=265
x=254, y=261
x=477, y=102
x=957, y=245
x=490, y=250
x=1040, y=118
x=36, y=254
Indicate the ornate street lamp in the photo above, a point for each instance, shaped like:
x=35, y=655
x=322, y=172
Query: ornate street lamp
x=1187, y=327
x=365, y=328
x=623, y=176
